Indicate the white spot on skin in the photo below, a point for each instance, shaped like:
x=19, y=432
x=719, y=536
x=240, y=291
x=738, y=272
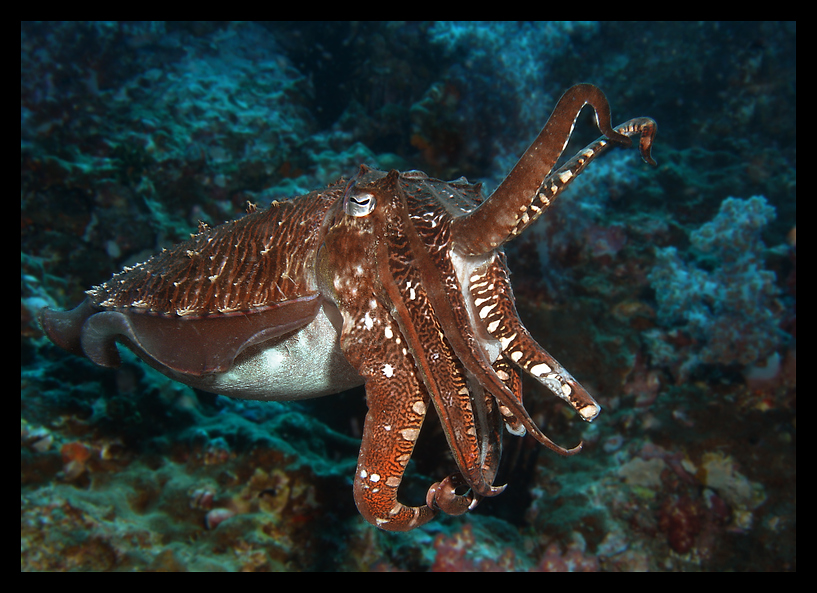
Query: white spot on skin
x=410, y=434
x=388, y=370
x=419, y=408
x=368, y=321
x=375, y=477
x=565, y=176
x=483, y=313
x=519, y=431
x=589, y=412
x=515, y=356
x=504, y=342
x=540, y=370
x=492, y=326
x=393, y=482
x=388, y=333
x=363, y=474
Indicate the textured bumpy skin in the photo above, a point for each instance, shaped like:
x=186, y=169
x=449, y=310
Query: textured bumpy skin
x=395, y=280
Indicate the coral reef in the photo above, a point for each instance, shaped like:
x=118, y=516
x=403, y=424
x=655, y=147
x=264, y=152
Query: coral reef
x=729, y=308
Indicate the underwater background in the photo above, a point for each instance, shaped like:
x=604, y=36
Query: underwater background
x=670, y=293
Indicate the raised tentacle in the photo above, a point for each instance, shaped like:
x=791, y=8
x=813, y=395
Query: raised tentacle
x=494, y=222
x=558, y=180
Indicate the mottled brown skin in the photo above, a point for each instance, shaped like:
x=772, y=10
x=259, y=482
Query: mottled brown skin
x=403, y=274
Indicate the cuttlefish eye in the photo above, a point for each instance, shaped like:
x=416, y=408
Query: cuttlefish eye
x=358, y=204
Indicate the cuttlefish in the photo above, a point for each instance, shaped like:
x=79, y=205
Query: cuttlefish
x=393, y=280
